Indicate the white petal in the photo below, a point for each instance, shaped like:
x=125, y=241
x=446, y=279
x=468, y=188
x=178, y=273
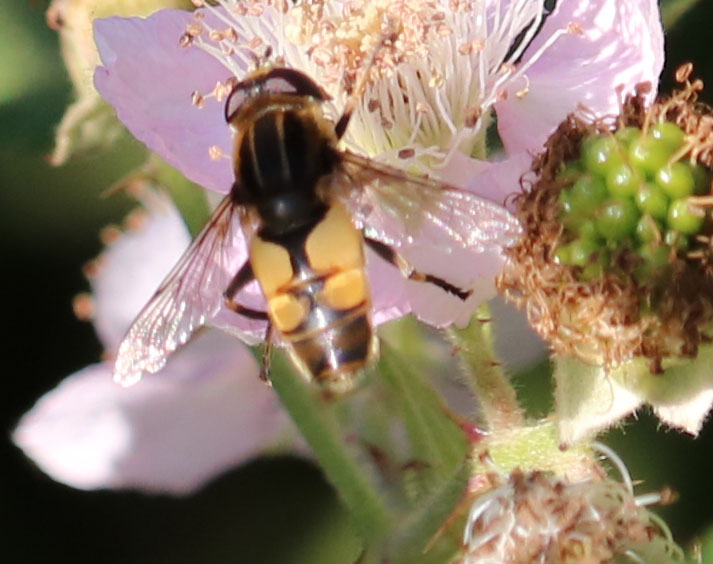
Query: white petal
x=207, y=411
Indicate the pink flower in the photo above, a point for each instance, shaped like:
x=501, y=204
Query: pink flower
x=204, y=413
x=434, y=92
x=206, y=410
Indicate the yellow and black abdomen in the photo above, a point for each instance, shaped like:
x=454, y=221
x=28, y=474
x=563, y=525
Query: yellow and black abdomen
x=317, y=294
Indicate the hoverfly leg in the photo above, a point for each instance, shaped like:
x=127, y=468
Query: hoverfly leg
x=390, y=255
x=243, y=277
x=266, y=358
x=248, y=312
x=240, y=280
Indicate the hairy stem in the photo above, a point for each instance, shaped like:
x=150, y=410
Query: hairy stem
x=484, y=374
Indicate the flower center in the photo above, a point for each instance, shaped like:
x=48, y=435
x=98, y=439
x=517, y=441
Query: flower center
x=435, y=68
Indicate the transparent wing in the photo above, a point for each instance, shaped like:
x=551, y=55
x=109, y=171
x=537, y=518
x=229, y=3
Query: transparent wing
x=191, y=292
x=397, y=208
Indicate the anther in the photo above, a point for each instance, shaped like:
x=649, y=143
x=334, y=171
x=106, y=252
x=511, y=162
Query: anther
x=109, y=234
x=83, y=306
x=197, y=99
x=215, y=153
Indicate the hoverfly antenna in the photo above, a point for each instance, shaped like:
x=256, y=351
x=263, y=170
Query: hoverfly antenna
x=280, y=80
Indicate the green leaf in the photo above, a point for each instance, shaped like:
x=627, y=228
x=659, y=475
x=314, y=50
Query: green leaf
x=591, y=398
x=419, y=538
x=704, y=549
x=436, y=438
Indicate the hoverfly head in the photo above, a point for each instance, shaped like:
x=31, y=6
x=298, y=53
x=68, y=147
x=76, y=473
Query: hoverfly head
x=274, y=81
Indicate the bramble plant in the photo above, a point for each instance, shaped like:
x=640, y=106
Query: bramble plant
x=547, y=109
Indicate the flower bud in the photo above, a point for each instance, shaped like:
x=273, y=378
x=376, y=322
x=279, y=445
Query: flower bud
x=89, y=121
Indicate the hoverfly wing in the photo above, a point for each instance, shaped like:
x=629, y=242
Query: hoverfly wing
x=191, y=292
x=396, y=206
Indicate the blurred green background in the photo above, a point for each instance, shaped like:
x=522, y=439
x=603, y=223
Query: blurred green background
x=277, y=510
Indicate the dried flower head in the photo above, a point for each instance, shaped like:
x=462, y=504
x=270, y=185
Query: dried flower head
x=536, y=517
x=615, y=262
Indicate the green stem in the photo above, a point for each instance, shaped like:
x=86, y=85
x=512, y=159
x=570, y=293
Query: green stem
x=484, y=374
x=318, y=423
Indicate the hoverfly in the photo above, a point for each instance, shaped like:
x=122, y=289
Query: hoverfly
x=303, y=205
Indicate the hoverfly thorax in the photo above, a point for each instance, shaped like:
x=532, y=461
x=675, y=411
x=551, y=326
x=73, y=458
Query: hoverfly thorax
x=283, y=148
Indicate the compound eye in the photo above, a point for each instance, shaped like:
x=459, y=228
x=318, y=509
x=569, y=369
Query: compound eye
x=291, y=81
x=236, y=99
x=275, y=81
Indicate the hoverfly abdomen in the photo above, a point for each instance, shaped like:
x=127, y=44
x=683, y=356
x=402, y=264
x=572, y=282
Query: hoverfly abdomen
x=318, y=297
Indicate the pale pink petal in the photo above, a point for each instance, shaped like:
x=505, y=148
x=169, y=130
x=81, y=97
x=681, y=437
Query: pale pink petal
x=388, y=288
x=496, y=180
x=149, y=78
x=435, y=253
x=621, y=45
x=464, y=269
x=206, y=412
x=132, y=267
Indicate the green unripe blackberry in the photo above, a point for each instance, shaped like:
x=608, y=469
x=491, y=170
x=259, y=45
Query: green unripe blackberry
x=651, y=199
x=565, y=202
x=587, y=193
x=622, y=181
x=601, y=153
x=581, y=251
x=627, y=135
x=676, y=240
x=563, y=255
x=616, y=219
x=647, y=229
x=649, y=154
x=676, y=179
x=669, y=133
x=684, y=217
x=587, y=229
